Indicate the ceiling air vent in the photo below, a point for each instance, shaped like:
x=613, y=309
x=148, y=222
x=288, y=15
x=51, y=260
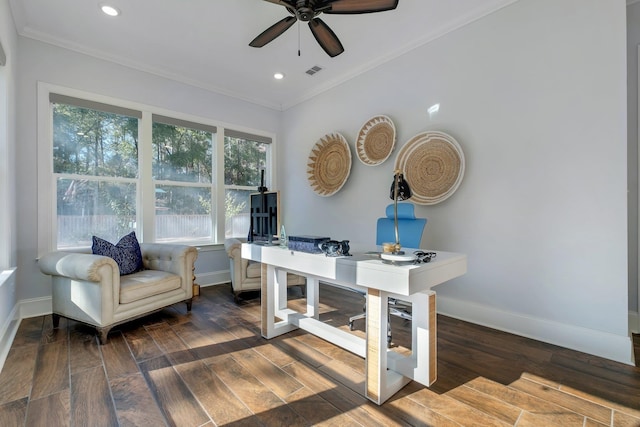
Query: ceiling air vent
x=311, y=71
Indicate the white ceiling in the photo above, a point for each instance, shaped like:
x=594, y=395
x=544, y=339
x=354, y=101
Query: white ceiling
x=205, y=42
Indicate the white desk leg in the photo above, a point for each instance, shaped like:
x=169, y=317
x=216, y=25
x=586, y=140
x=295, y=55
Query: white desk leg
x=424, y=333
x=381, y=383
x=376, y=358
x=421, y=365
x=266, y=303
x=313, y=297
x=273, y=294
x=280, y=285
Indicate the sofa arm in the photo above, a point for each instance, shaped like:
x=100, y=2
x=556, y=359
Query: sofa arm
x=176, y=259
x=77, y=266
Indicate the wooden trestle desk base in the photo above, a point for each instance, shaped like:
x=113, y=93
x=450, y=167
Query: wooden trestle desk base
x=386, y=371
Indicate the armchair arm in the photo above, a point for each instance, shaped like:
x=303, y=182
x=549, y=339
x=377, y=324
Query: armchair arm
x=77, y=266
x=232, y=246
x=238, y=266
x=177, y=259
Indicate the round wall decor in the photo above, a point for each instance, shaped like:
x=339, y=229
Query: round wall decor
x=433, y=165
x=376, y=140
x=329, y=164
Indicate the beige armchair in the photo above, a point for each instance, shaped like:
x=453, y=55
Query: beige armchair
x=88, y=288
x=245, y=274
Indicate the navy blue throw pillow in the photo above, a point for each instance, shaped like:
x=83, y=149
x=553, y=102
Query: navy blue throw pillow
x=126, y=253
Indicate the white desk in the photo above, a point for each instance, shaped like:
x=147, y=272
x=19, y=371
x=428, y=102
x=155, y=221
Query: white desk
x=386, y=371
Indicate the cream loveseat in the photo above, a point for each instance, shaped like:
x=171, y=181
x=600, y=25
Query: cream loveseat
x=88, y=288
x=245, y=274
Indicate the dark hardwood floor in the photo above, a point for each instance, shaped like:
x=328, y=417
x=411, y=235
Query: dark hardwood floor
x=211, y=367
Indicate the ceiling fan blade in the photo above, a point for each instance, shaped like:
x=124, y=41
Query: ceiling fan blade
x=290, y=3
x=273, y=31
x=359, y=6
x=326, y=38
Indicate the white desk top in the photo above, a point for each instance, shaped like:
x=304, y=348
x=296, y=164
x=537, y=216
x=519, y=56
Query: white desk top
x=361, y=269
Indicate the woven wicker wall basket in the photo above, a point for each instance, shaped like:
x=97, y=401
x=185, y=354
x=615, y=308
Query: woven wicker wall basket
x=433, y=165
x=376, y=140
x=329, y=164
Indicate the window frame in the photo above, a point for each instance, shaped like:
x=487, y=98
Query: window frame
x=145, y=207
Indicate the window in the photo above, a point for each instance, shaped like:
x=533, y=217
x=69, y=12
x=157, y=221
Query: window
x=95, y=170
x=117, y=167
x=245, y=158
x=183, y=177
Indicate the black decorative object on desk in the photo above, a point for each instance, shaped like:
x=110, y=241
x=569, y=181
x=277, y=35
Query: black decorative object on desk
x=307, y=244
x=335, y=248
x=425, y=257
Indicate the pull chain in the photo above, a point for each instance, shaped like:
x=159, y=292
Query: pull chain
x=298, y=38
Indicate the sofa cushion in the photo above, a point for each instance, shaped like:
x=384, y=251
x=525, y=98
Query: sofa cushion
x=126, y=253
x=254, y=270
x=147, y=283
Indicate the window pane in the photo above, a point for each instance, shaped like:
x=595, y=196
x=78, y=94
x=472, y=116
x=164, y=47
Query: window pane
x=90, y=142
x=181, y=153
x=183, y=213
x=237, y=214
x=243, y=160
x=87, y=208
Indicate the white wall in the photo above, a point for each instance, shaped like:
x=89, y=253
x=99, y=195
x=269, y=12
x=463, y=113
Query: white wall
x=8, y=252
x=43, y=62
x=633, y=43
x=536, y=96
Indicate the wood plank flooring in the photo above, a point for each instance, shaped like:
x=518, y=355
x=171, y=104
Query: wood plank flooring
x=210, y=367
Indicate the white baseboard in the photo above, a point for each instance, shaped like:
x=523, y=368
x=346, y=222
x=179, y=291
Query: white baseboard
x=8, y=333
x=35, y=307
x=9, y=312
x=213, y=278
x=603, y=344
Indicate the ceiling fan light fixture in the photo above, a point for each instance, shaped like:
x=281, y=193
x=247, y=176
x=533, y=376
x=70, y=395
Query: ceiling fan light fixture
x=109, y=10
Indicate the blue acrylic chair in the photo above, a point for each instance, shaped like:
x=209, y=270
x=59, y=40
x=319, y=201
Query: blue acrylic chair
x=410, y=231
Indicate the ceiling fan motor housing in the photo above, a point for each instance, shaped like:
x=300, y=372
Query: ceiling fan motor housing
x=305, y=14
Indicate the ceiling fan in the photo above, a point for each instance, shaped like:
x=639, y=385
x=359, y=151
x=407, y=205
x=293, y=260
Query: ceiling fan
x=308, y=10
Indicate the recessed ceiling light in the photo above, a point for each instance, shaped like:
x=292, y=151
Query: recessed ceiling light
x=109, y=10
x=278, y=76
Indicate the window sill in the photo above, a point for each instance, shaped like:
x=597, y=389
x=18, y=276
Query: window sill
x=5, y=275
